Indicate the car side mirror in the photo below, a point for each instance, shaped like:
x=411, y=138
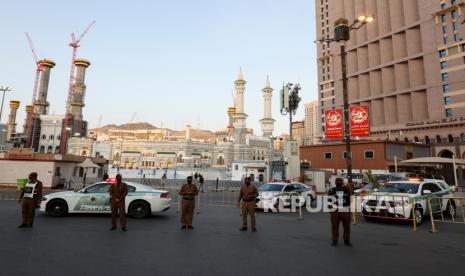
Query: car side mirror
x=426, y=192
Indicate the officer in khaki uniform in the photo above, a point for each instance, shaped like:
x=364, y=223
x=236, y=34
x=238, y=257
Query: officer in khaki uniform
x=188, y=192
x=118, y=192
x=247, y=195
x=342, y=213
x=30, y=199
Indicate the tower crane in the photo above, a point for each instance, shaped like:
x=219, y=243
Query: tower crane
x=39, y=68
x=74, y=44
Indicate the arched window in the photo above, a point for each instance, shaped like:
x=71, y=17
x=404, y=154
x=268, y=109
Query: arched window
x=427, y=140
x=59, y=137
x=49, y=149
x=57, y=149
x=416, y=139
x=462, y=137
x=220, y=161
x=406, y=139
x=450, y=138
x=44, y=137
x=42, y=149
x=438, y=139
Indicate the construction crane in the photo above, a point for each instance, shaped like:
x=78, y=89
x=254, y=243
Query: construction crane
x=74, y=44
x=39, y=68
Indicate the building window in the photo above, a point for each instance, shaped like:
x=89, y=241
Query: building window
x=443, y=18
x=406, y=140
x=442, y=53
x=427, y=140
x=462, y=137
x=450, y=138
x=448, y=112
x=447, y=100
x=445, y=76
x=445, y=30
x=452, y=2
x=456, y=37
x=369, y=154
x=44, y=137
x=323, y=128
x=438, y=139
x=328, y=155
x=443, y=6
x=446, y=40
x=455, y=25
x=236, y=167
x=445, y=88
x=443, y=64
x=416, y=139
x=333, y=101
x=344, y=155
x=455, y=14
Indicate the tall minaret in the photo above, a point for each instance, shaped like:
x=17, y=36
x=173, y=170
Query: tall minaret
x=267, y=121
x=14, y=105
x=41, y=104
x=240, y=117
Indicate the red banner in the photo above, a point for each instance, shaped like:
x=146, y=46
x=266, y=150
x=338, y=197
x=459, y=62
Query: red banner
x=359, y=122
x=334, y=125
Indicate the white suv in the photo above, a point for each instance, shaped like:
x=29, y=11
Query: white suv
x=396, y=198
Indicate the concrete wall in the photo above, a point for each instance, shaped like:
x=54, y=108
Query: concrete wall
x=14, y=169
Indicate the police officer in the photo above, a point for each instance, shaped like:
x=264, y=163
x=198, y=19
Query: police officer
x=30, y=199
x=342, y=212
x=188, y=192
x=118, y=192
x=247, y=195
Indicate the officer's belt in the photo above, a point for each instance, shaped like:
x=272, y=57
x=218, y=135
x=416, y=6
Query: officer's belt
x=188, y=198
x=249, y=200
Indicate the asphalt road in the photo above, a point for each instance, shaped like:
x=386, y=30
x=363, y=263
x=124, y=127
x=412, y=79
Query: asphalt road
x=82, y=245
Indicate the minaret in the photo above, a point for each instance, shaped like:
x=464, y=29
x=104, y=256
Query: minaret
x=240, y=116
x=267, y=122
x=41, y=103
x=188, y=132
x=11, y=125
x=79, y=89
x=231, y=112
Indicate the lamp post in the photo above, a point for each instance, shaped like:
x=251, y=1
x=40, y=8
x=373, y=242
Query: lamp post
x=290, y=102
x=342, y=35
x=3, y=89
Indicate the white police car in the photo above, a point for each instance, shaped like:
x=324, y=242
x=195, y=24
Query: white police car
x=141, y=200
x=277, y=194
x=396, y=199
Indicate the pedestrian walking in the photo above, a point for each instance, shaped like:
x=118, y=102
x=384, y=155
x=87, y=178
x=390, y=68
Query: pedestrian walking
x=30, y=199
x=118, y=192
x=188, y=192
x=247, y=197
x=342, y=212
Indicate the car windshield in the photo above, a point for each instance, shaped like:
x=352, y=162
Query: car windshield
x=271, y=188
x=408, y=188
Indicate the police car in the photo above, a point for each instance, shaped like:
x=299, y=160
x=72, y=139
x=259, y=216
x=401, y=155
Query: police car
x=141, y=200
x=276, y=194
x=395, y=199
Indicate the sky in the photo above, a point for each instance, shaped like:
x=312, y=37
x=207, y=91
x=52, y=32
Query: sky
x=173, y=62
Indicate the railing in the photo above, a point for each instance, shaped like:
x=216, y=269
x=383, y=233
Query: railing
x=448, y=207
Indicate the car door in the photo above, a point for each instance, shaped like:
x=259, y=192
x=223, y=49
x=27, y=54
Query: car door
x=94, y=199
x=436, y=192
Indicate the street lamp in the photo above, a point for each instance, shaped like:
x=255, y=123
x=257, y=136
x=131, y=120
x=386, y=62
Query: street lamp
x=290, y=102
x=342, y=35
x=3, y=89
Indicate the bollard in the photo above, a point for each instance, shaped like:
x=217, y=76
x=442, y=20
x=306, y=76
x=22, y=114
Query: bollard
x=414, y=216
x=433, y=227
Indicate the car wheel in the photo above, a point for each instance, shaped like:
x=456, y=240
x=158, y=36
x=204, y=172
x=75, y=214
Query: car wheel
x=57, y=208
x=139, y=209
x=418, y=216
x=451, y=211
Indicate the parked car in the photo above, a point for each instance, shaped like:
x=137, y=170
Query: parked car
x=396, y=198
x=275, y=193
x=141, y=201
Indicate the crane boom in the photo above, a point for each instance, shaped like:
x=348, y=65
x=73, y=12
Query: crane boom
x=85, y=31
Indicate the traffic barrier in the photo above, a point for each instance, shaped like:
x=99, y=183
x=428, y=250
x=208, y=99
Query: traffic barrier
x=446, y=206
x=387, y=206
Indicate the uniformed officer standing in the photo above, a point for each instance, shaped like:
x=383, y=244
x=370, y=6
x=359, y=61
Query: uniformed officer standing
x=118, y=193
x=342, y=213
x=188, y=192
x=247, y=195
x=30, y=199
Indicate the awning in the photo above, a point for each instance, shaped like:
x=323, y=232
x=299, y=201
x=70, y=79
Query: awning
x=433, y=160
x=88, y=164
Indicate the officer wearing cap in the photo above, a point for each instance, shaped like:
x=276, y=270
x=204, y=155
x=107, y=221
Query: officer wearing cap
x=30, y=198
x=188, y=192
x=247, y=195
x=342, y=212
x=118, y=192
